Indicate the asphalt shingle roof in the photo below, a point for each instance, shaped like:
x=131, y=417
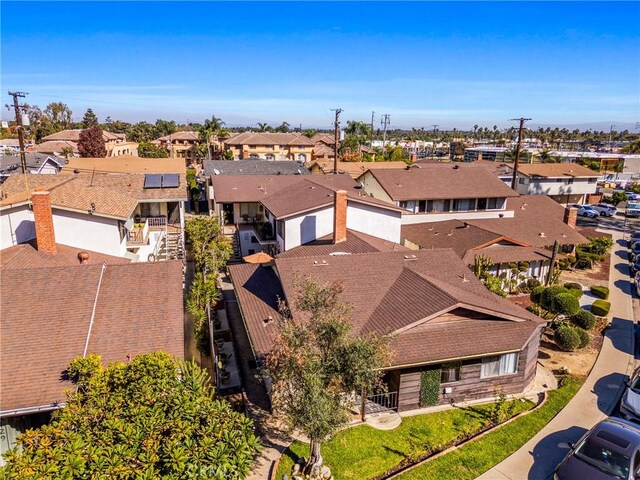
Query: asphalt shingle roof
x=253, y=167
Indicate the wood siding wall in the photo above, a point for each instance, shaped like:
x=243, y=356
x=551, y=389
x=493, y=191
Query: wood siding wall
x=471, y=386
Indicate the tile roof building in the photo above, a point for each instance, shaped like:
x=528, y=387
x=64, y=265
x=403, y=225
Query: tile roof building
x=437, y=314
x=355, y=169
x=115, y=143
x=270, y=146
x=179, y=144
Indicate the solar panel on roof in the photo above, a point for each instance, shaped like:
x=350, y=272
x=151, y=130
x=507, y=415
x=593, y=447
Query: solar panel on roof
x=152, y=180
x=170, y=180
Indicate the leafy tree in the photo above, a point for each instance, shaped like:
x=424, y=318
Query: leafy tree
x=151, y=150
x=316, y=360
x=210, y=248
x=154, y=417
x=310, y=132
x=59, y=114
x=264, y=127
x=118, y=126
x=91, y=143
x=227, y=155
x=209, y=132
x=283, y=128
x=90, y=119
x=142, y=132
x=165, y=127
x=633, y=147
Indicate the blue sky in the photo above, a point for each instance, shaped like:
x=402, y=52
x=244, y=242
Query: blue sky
x=454, y=64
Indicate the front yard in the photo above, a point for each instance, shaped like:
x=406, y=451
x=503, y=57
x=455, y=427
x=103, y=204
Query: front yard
x=363, y=453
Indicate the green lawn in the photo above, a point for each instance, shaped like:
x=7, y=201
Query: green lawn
x=362, y=452
x=477, y=457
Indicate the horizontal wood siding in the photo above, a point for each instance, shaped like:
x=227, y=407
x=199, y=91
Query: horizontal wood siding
x=471, y=386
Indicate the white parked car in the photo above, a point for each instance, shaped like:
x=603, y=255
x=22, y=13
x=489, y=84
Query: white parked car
x=588, y=211
x=633, y=210
x=605, y=209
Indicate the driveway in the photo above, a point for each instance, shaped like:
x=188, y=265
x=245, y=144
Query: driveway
x=598, y=397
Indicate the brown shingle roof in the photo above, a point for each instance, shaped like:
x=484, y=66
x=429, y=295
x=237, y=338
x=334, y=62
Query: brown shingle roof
x=356, y=242
x=126, y=164
x=556, y=170
x=249, y=188
x=26, y=255
x=534, y=215
x=55, y=146
x=355, y=169
x=43, y=331
x=262, y=138
x=441, y=181
x=73, y=135
x=390, y=292
x=455, y=234
x=507, y=254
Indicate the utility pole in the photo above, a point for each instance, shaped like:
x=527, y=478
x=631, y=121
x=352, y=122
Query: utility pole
x=336, y=136
x=433, y=143
x=384, y=121
x=18, y=109
x=371, y=133
x=517, y=159
x=610, y=137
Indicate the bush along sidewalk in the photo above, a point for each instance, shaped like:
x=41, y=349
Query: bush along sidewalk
x=600, y=308
x=600, y=292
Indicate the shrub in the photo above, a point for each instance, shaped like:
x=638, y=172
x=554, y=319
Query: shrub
x=567, y=337
x=566, y=304
x=584, y=337
x=529, y=284
x=600, y=308
x=430, y=387
x=536, y=293
x=576, y=293
x=566, y=262
x=547, y=298
x=584, y=319
x=600, y=292
x=572, y=286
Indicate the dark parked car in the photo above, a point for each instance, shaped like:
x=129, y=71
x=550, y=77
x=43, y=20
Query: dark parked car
x=610, y=450
x=635, y=266
x=630, y=402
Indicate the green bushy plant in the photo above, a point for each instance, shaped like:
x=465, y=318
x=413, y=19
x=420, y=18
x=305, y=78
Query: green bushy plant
x=584, y=319
x=566, y=304
x=536, y=294
x=600, y=308
x=567, y=337
x=548, y=296
x=600, y=291
x=584, y=337
x=572, y=285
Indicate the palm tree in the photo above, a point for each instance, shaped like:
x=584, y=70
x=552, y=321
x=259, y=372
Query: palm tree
x=263, y=127
x=283, y=128
x=211, y=129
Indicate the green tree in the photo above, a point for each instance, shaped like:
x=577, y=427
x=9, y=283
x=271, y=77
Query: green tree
x=283, y=128
x=151, y=418
x=316, y=360
x=633, y=147
x=142, y=132
x=165, y=127
x=210, y=248
x=210, y=131
x=91, y=143
x=264, y=127
x=309, y=132
x=90, y=119
x=59, y=114
x=151, y=150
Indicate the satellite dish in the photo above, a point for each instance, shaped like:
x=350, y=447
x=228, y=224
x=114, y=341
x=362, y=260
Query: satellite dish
x=216, y=171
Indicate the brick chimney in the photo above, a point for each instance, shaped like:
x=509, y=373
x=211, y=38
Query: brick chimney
x=45, y=236
x=571, y=216
x=340, y=216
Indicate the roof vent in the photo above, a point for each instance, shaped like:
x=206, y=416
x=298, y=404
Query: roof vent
x=541, y=234
x=464, y=278
x=268, y=320
x=501, y=215
x=466, y=225
x=335, y=254
x=410, y=257
x=456, y=167
x=319, y=263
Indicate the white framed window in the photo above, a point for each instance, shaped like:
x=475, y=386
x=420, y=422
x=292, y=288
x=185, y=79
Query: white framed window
x=499, y=365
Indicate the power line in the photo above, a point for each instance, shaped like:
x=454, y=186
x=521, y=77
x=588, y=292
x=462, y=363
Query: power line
x=336, y=134
x=517, y=159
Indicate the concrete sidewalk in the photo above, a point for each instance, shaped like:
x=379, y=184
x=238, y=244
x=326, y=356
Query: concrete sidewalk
x=537, y=459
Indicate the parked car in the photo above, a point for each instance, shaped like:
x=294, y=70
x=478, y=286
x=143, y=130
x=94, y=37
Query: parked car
x=632, y=210
x=635, y=266
x=632, y=196
x=630, y=402
x=588, y=211
x=637, y=280
x=610, y=450
x=605, y=209
x=634, y=251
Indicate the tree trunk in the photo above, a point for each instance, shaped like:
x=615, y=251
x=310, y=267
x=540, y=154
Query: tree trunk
x=315, y=458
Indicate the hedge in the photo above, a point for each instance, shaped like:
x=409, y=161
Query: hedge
x=567, y=337
x=600, y=308
x=536, y=293
x=547, y=298
x=430, y=387
x=572, y=286
x=576, y=293
x=600, y=292
x=584, y=319
x=583, y=336
x=566, y=304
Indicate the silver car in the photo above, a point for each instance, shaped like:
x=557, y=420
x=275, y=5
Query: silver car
x=610, y=450
x=630, y=402
x=605, y=209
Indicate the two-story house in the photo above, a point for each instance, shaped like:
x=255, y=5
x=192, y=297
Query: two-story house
x=270, y=146
x=179, y=144
x=564, y=182
x=440, y=191
x=116, y=144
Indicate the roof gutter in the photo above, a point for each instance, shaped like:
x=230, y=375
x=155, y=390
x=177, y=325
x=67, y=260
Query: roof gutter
x=15, y=412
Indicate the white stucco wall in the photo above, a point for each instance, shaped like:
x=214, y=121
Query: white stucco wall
x=16, y=226
x=374, y=221
x=88, y=232
x=580, y=186
x=373, y=188
x=306, y=228
x=412, y=218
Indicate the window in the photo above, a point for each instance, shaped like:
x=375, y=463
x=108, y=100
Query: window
x=522, y=181
x=447, y=206
x=253, y=147
x=593, y=180
x=254, y=239
x=429, y=205
x=280, y=228
x=422, y=206
x=570, y=181
x=482, y=203
x=499, y=365
x=450, y=372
